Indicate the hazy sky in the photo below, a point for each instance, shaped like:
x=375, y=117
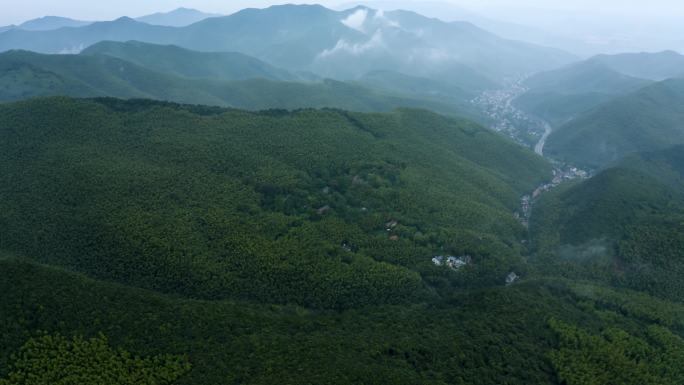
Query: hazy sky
x=16, y=11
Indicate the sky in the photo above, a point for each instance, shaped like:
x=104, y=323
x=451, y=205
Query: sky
x=14, y=12
x=596, y=25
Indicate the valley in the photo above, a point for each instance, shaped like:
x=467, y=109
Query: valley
x=528, y=131
x=498, y=106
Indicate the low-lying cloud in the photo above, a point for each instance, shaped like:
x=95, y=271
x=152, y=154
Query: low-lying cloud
x=356, y=49
x=356, y=20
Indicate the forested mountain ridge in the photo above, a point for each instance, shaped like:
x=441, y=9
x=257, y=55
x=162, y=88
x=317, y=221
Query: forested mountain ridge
x=27, y=74
x=562, y=94
x=191, y=64
x=623, y=226
x=645, y=120
x=224, y=204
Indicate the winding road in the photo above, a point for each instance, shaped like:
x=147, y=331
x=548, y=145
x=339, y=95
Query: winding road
x=539, y=148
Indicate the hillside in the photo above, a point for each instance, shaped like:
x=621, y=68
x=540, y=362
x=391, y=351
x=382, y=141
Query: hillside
x=563, y=94
x=654, y=66
x=648, y=119
x=558, y=108
x=211, y=203
x=624, y=225
x=192, y=64
x=344, y=45
x=290, y=345
x=584, y=77
x=25, y=75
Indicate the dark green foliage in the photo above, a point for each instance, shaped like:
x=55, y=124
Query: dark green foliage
x=260, y=206
x=480, y=337
x=55, y=360
x=618, y=358
x=622, y=226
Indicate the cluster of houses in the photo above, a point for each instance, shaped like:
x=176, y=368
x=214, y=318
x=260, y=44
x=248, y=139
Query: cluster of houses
x=509, y=120
x=455, y=263
x=560, y=175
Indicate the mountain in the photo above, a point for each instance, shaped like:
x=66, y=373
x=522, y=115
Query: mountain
x=75, y=39
x=450, y=12
x=148, y=229
x=654, y=66
x=623, y=225
x=411, y=41
x=211, y=203
x=191, y=64
x=26, y=75
x=562, y=94
x=424, y=88
x=342, y=45
x=558, y=108
x=179, y=17
x=645, y=120
x=7, y=28
x=584, y=77
x=49, y=23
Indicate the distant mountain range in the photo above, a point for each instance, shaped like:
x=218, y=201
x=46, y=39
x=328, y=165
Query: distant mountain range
x=562, y=94
x=48, y=23
x=220, y=79
x=177, y=18
x=342, y=45
x=648, y=119
x=653, y=66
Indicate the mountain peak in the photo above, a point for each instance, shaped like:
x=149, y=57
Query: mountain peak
x=49, y=22
x=179, y=17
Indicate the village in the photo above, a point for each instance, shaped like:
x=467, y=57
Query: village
x=497, y=105
x=560, y=176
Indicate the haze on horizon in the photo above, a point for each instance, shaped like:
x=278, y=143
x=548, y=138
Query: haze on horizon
x=580, y=26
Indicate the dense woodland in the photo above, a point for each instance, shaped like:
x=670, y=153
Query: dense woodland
x=295, y=247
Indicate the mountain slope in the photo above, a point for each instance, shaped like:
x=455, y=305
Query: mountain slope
x=191, y=64
x=27, y=75
x=648, y=119
x=624, y=225
x=179, y=17
x=288, y=345
x=214, y=204
x=584, y=77
x=654, y=66
x=562, y=94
